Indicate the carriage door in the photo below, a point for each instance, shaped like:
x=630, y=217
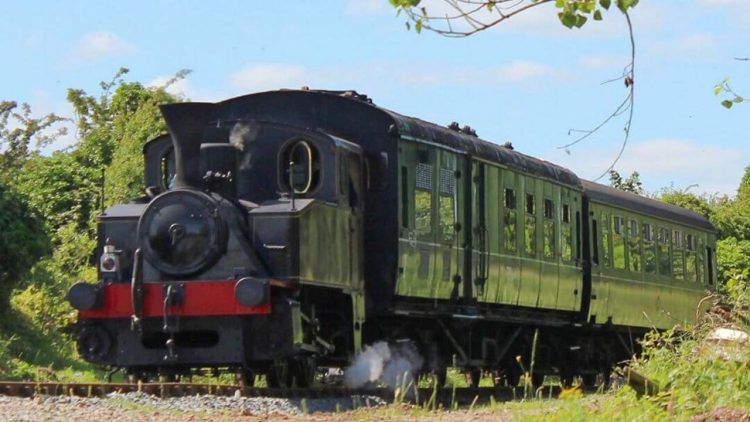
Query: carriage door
x=352, y=188
x=451, y=245
x=474, y=288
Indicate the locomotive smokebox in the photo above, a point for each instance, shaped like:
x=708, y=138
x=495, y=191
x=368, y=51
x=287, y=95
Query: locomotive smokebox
x=186, y=123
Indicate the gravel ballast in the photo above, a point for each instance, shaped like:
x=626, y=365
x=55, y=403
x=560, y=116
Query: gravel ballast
x=141, y=406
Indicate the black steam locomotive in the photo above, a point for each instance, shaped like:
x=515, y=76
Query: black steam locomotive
x=282, y=231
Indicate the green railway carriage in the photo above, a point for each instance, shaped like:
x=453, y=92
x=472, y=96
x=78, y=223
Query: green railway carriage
x=652, y=263
x=286, y=229
x=487, y=229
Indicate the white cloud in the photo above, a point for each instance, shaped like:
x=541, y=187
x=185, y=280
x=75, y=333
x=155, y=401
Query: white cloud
x=96, y=47
x=661, y=162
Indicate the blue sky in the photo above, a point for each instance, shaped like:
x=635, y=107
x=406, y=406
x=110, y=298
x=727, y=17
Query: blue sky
x=528, y=81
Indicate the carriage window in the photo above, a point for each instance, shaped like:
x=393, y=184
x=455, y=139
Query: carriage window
x=691, y=261
x=530, y=227
x=566, y=235
x=618, y=243
x=649, y=249
x=606, y=256
x=529, y=204
x=648, y=232
x=404, y=197
x=510, y=199
x=447, y=205
x=634, y=247
x=665, y=262
x=595, y=236
x=509, y=220
x=549, y=229
x=678, y=258
x=700, y=261
x=423, y=200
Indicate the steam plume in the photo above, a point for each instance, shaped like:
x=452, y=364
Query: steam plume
x=384, y=363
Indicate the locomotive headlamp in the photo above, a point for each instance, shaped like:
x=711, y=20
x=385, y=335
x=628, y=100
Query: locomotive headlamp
x=251, y=291
x=110, y=260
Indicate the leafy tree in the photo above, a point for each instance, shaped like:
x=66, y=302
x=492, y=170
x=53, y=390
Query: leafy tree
x=732, y=217
x=22, y=241
x=684, y=199
x=65, y=188
x=631, y=184
x=733, y=265
x=22, y=135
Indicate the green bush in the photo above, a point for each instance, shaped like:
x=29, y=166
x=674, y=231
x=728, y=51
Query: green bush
x=22, y=241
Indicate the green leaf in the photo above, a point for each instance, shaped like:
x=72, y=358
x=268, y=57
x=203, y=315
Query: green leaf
x=597, y=15
x=587, y=7
x=605, y=3
x=567, y=19
x=727, y=104
x=418, y=26
x=404, y=3
x=560, y=4
x=737, y=99
x=580, y=20
x=717, y=89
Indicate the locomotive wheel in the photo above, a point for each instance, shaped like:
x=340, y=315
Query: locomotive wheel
x=246, y=377
x=440, y=376
x=278, y=374
x=473, y=376
x=136, y=377
x=512, y=376
x=537, y=380
x=169, y=377
x=588, y=380
x=566, y=379
x=303, y=371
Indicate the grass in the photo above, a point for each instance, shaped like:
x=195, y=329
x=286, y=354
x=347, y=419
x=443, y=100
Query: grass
x=26, y=353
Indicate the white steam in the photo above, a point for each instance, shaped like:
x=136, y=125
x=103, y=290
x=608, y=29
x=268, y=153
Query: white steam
x=393, y=365
x=239, y=135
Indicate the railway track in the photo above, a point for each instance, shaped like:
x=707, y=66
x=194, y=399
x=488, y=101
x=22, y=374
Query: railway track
x=461, y=396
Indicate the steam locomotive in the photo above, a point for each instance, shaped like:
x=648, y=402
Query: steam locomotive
x=282, y=231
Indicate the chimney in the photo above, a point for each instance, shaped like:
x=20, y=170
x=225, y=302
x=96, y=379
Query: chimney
x=186, y=123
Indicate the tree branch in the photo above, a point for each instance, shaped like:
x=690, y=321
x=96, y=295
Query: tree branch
x=627, y=104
